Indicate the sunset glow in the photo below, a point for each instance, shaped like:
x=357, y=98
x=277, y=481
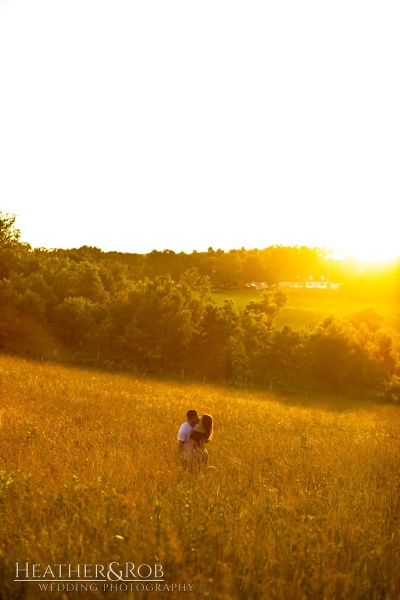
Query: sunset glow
x=187, y=126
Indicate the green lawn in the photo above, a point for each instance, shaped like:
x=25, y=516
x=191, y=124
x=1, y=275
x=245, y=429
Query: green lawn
x=305, y=307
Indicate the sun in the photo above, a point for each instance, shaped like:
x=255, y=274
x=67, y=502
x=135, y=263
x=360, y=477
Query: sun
x=373, y=251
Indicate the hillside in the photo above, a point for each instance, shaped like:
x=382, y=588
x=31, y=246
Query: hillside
x=302, y=500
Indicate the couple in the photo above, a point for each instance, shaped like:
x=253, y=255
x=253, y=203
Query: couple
x=192, y=436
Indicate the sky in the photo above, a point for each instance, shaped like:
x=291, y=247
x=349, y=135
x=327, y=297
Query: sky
x=150, y=125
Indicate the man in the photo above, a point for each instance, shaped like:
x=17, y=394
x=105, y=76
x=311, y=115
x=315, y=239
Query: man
x=184, y=434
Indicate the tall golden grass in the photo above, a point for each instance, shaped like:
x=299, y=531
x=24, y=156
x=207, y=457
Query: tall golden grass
x=303, y=501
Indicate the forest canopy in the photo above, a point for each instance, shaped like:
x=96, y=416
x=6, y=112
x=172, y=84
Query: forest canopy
x=156, y=312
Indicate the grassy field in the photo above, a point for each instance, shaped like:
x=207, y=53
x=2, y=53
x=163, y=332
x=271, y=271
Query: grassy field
x=303, y=502
x=305, y=307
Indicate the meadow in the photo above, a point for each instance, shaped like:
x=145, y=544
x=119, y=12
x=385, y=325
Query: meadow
x=302, y=501
x=305, y=307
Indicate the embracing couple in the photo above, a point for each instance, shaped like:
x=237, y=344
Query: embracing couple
x=192, y=437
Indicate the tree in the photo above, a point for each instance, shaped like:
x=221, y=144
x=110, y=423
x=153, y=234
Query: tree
x=12, y=251
x=191, y=281
x=209, y=344
x=269, y=305
x=9, y=234
x=89, y=284
x=157, y=323
x=32, y=305
x=344, y=356
x=74, y=319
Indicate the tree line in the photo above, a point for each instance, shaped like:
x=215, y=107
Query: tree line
x=156, y=313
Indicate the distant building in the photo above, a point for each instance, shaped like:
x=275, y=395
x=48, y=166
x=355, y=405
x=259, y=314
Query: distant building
x=322, y=284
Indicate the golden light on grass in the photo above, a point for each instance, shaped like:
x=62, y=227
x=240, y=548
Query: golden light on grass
x=303, y=500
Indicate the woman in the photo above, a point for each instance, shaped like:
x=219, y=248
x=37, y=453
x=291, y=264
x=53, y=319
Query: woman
x=200, y=435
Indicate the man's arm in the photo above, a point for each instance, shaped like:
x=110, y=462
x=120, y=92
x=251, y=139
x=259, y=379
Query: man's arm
x=181, y=440
x=180, y=448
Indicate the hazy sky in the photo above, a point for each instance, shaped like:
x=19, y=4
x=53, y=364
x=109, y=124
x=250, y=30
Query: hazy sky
x=141, y=125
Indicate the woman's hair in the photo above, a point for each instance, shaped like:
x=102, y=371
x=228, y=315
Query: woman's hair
x=207, y=422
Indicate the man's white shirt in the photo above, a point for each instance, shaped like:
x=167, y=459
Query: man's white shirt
x=184, y=436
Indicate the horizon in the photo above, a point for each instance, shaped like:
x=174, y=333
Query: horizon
x=338, y=255
x=330, y=253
